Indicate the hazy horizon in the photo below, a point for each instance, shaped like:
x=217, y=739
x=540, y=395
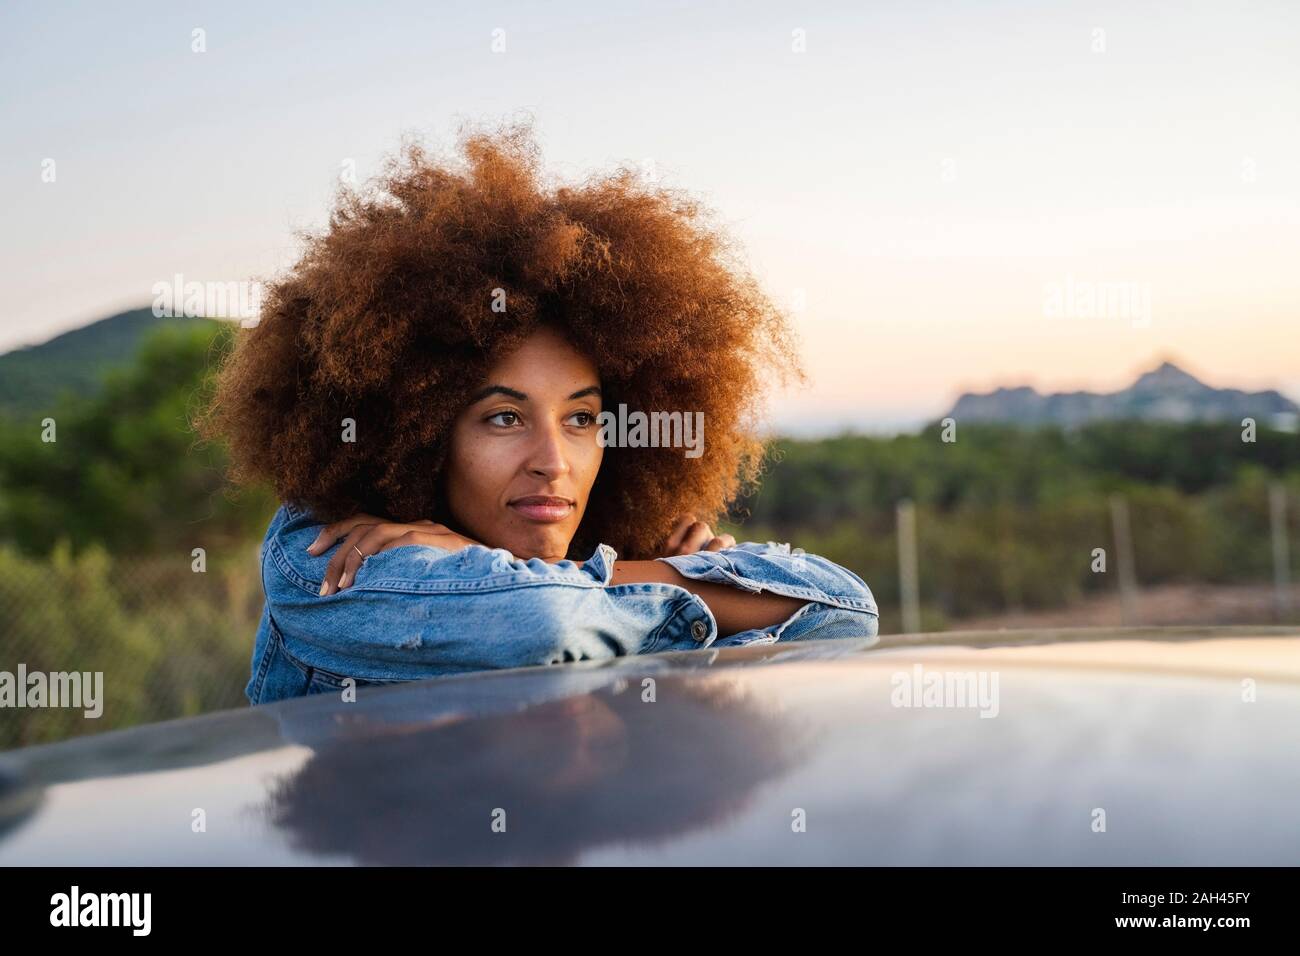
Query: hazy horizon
x=834, y=423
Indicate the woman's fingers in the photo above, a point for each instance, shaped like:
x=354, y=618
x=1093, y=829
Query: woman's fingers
x=366, y=539
x=691, y=535
x=349, y=530
x=338, y=529
x=698, y=535
x=372, y=540
x=336, y=568
x=679, y=530
x=380, y=537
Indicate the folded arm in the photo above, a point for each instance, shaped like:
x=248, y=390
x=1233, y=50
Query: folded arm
x=735, y=610
x=418, y=611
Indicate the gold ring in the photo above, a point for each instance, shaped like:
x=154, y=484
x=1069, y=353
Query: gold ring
x=358, y=551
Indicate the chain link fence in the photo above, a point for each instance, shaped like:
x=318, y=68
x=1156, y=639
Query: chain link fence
x=151, y=638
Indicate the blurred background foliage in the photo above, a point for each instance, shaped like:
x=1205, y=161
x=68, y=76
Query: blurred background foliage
x=98, y=529
x=126, y=470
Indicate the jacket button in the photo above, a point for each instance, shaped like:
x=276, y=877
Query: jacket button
x=699, y=629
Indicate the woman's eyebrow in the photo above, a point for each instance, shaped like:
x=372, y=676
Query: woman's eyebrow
x=495, y=390
x=520, y=396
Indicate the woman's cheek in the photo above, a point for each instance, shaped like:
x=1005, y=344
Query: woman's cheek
x=597, y=455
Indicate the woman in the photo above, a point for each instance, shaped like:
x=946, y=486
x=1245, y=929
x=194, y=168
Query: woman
x=431, y=393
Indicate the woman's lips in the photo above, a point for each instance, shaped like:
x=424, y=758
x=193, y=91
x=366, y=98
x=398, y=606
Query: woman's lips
x=543, y=508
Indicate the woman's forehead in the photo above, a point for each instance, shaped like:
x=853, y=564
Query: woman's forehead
x=548, y=361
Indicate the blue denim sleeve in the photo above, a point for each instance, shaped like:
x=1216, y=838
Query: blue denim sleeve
x=417, y=611
x=839, y=603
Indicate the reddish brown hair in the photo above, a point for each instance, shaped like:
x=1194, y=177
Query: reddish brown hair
x=387, y=319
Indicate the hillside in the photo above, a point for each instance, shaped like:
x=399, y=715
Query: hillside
x=32, y=378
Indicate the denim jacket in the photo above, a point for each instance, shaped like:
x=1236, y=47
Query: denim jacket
x=418, y=611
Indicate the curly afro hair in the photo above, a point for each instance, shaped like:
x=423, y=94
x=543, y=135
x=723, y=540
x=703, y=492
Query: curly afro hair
x=388, y=319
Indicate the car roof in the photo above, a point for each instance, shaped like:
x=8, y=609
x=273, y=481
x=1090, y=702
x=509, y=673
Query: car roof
x=1153, y=746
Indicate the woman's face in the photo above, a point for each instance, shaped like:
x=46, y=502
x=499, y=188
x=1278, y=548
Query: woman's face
x=523, y=455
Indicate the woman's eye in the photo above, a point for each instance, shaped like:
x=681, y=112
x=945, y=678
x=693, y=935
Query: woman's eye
x=513, y=416
x=583, y=419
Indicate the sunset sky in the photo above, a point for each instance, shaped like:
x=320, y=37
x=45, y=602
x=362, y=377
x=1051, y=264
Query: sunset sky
x=915, y=184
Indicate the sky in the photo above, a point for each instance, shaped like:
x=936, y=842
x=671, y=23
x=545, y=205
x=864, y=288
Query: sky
x=946, y=196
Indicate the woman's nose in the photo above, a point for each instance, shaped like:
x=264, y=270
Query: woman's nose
x=547, y=457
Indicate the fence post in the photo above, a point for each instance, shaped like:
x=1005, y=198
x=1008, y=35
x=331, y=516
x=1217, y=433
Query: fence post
x=1281, y=552
x=1124, y=560
x=908, y=586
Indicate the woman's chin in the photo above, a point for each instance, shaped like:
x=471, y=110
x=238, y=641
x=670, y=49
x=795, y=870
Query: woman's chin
x=548, y=545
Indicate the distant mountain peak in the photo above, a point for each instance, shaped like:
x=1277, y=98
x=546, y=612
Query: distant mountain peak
x=1166, y=376
x=1165, y=393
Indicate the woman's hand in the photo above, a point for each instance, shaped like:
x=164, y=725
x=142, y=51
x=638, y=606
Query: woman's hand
x=691, y=535
x=364, y=535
